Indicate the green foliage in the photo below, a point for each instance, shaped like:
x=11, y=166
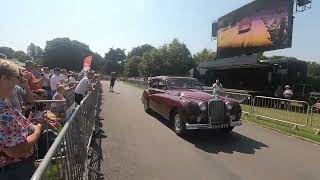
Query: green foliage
x=3, y=56
x=140, y=50
x=21, y=56
x=131, y=68
x=65, y=53
x=34, y=51
x=313, y=69
x=153, y=64
x=178, y=59
x=114, y=60
x=204, y=55
x=97, y=62
x=169, y=59
x=7, y=51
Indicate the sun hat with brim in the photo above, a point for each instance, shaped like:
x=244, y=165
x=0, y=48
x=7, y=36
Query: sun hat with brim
x=287, y=86
x=29, y=63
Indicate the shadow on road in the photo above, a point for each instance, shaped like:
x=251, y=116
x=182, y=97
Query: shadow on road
x=215, y=142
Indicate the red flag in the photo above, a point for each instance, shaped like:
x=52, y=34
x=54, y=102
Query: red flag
x=87, y=63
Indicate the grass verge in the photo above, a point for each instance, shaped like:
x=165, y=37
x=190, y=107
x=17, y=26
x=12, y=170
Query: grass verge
x=304, y=133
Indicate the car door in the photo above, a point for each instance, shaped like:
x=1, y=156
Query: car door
x=155, y=98
x=153, y=86
x=161, y=97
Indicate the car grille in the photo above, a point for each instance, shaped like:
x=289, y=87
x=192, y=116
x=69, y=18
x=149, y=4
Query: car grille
x=216, y=110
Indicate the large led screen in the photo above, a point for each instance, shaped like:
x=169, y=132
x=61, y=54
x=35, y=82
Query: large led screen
x=262, y=25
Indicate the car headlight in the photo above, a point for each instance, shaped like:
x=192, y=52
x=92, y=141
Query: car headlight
x=203, y=106
x=229, y=107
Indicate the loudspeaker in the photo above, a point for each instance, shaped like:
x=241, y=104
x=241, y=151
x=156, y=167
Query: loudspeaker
x=214, y=29
x=303, y=2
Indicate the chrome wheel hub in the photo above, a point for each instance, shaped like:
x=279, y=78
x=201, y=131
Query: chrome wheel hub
x=177, y=122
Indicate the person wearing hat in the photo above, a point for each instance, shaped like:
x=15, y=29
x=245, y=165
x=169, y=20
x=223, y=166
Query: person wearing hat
x=287, y=94
x=33, y=82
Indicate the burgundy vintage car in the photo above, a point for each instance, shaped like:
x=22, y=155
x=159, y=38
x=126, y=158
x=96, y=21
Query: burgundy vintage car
x=182, y=101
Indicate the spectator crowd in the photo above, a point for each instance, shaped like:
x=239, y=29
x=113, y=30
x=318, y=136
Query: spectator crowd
x=28, y=124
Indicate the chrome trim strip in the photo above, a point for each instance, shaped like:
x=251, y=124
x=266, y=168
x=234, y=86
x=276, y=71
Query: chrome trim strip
x=210, y=126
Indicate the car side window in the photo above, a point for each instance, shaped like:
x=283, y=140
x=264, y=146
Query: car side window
x=154, y=83
x=162, y=84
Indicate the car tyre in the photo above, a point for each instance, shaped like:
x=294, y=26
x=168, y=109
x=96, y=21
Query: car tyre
x=227, y=130
x=178, y=123
x=146, y=107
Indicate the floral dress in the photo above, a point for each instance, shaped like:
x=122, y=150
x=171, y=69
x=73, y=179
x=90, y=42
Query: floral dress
x=14, y=130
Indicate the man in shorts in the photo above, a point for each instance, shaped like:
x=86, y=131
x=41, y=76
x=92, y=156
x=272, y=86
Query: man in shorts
x=112, y=81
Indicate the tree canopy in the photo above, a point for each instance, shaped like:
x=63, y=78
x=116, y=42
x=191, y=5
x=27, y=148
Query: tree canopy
x=21, y=56
x=170, y=59
x=35, y=52
x=114, y=60
x=204, y=55
x=65, y=53
x=131, y=68
x=140, y=50
x=7, y=51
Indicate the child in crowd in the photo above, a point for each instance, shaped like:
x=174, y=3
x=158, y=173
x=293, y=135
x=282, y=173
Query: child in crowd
x=58, y=107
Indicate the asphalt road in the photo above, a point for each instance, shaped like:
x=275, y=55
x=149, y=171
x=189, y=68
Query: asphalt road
x=140, y=146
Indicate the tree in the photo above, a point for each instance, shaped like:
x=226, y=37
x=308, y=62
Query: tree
x=97, y=62
x=131, y=68
x=34, y=51
x=313, y=69
x=3, y=56
x=140, y=50
x=153, y=64
x=65, y=53
x=169, y=59
x=7, y=51
x=21, y=56
x=115, y=60
x=204, y=55
x=31, y=50
x=178, y=59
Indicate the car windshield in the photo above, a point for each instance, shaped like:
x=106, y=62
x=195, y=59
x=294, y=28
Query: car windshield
x=183, y=83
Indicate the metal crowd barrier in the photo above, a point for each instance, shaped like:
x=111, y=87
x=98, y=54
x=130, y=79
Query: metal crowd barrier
x=315, y=117
x=288, y=111
x=43, y=107
x=245, y=100
x=67, y=156
x=138, y=82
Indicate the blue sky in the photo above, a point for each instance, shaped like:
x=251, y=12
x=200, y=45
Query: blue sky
x=103, y=24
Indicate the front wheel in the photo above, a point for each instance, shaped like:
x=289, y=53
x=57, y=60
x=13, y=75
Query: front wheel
x=146, y=107
x=179, y=125
x=227, y=130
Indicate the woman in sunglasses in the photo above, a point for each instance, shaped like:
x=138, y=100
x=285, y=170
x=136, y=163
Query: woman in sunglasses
x=17, y=134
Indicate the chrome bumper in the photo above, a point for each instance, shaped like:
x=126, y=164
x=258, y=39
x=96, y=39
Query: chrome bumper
x=213, y=126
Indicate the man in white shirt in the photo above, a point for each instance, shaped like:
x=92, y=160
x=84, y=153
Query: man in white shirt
x=83, y=87
x=55, y=81
x=217, y=88
x=64, y=76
